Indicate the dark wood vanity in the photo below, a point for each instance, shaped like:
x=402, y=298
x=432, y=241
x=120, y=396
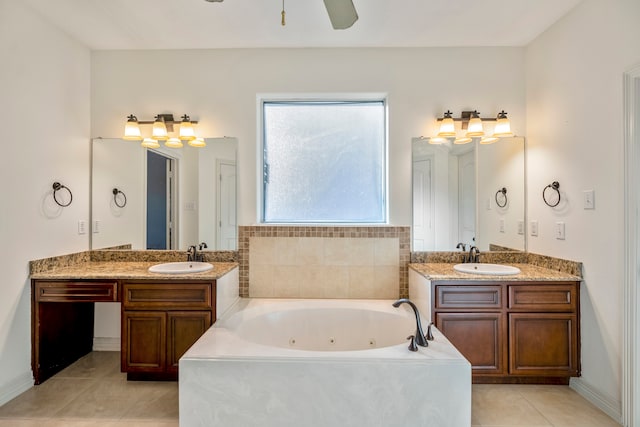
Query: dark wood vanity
x=512, y=332
x=161, y=318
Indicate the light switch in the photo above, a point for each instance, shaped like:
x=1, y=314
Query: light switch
x=520, y=227
x=96, y=226
x=589, y=201
x=502, y=225
x=82, y=227
x=560, y=230
x=534, y=228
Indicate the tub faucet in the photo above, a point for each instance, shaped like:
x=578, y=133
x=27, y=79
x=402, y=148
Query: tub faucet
x=474, y=254
x=419, y=337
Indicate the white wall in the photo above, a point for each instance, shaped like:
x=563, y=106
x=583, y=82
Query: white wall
x=574, y=135
x=219, y=88
x=44, y=82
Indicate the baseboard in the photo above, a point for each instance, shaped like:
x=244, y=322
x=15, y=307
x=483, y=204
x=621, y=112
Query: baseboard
x=606, y=404
x=15, y=387
x=106, y=344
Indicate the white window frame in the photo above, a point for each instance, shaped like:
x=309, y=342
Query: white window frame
x=261, y=99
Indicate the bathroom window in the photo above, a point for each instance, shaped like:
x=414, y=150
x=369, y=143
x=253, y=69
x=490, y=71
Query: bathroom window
x=324, y=161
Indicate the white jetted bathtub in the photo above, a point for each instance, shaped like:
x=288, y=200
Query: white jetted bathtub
x=278, y=362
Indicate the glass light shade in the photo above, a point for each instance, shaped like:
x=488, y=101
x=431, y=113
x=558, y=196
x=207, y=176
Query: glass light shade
x=436, y=140
x=150, y=143
x=187, y=132
x=173, y=143
x=197, y=142
x=447, y=128
x=488, y=140
x=475, y=128
x=159, y=131
x=503, y=128
x=463, y=140
x=132, y=130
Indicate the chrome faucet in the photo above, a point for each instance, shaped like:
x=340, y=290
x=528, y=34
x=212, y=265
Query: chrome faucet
x=474, y=254
x=192, y=253
x=419, y=337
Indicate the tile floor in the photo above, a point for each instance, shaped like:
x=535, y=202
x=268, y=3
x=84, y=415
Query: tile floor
x=94, y=393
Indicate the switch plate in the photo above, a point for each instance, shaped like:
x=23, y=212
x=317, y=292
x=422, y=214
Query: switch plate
x=534, y=228
x=488, y=203
x=96, y=226
x=520, y=227
x=82, y=227
x=560, y=230
x=589, y=201
x=502, y=225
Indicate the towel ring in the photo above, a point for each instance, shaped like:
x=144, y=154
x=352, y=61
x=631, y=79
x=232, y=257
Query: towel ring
x=56, y=187
x=502, y=191
x=115, y=198
x=555, y=185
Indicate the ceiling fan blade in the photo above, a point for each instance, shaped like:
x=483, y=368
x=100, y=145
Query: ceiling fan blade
x=342, y=13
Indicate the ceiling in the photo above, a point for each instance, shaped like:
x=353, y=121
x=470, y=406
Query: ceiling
x=198, y=24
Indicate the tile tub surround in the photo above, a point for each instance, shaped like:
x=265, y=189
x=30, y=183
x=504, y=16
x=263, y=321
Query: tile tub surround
x=323, y=262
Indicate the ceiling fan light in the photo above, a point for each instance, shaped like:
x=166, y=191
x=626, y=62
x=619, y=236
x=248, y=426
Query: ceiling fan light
x=173, y=142
x=132, y=129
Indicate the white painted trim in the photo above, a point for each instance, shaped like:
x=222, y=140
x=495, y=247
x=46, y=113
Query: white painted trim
x=606, y=403
x=631, y=332
x=106, y=344
x=15, y=387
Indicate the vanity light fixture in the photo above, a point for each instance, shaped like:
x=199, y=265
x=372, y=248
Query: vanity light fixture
x=473, y=124
x=503, y=126
x=448, y=126
x=474, y=128
x=162, y=130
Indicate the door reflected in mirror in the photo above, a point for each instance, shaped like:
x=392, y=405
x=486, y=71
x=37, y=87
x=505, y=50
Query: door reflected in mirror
x=458, y=195
x=174, y=197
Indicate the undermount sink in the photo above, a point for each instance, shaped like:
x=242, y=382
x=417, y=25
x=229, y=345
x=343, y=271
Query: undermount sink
x=488, y=269
x=181, y=267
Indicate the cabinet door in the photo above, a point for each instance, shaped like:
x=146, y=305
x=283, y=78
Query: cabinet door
x=144, y=341
x=479, y=337
x=543, y=344
x=184, y=329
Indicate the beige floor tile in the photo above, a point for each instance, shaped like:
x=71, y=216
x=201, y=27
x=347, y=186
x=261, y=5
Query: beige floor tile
x=97, y=364
x=563, y=407
x=497, y=405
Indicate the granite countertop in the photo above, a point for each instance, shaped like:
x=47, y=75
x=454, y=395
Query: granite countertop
x=127, y=270
x=529, y=272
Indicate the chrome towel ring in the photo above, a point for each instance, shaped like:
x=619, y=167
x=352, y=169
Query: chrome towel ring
x=502, y=191
x=115, y=198
x=555, y=185
x=57, y=187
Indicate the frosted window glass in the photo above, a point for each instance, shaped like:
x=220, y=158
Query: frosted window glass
x=324, y=162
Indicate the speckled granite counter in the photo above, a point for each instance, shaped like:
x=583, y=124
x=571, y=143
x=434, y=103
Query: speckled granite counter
x=128, y=270
x=529, y=272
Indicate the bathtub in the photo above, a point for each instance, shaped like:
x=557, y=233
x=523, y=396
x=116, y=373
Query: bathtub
x=278, y=362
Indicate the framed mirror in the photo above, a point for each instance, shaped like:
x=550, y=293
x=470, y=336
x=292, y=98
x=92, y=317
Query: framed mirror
x=163, y=198
x=472, y=194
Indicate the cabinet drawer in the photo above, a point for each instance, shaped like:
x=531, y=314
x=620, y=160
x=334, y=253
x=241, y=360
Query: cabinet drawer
x=76, y=291
x=173, y=296
x=543, y=297
x=468, y=297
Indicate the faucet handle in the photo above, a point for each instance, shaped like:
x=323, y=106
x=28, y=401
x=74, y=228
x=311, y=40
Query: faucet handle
x=412, y=343
x=429, y=335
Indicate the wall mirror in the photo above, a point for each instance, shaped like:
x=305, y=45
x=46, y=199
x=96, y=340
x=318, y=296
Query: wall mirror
x=163, y=198
x=472, y=194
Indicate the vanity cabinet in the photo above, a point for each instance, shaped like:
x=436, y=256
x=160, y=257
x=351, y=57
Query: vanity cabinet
x=513, y=332
x=160, y=321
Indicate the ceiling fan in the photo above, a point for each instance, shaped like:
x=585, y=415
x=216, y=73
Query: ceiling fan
x=342, y=13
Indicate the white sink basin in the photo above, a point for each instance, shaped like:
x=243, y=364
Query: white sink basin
x=181, y=267
x=488, y=269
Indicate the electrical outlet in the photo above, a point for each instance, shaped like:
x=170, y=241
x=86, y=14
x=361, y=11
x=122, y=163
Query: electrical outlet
x=502, y=225
x=589, y=201
x=82, y=227
x=534, y=228
x=520, y=227
x=560, y=231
